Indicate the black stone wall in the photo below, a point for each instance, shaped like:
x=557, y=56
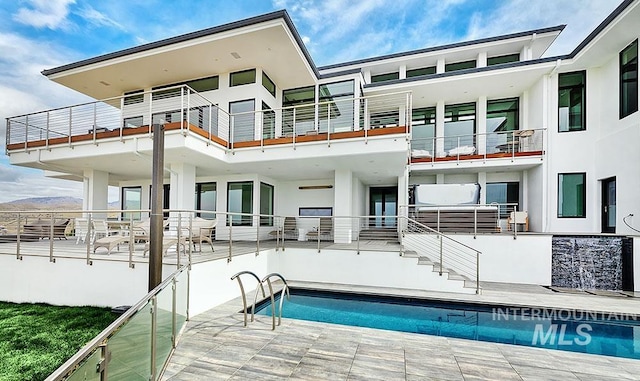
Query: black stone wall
x=592, y=262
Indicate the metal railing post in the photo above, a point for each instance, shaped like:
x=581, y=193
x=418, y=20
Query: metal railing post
x=47, y=132
x=477, y=272
x=26, y=133
x=132, y=241
x=51, y=258
x=18, y=256
x=258, y=236
x=190, y=237
x=88, y=238
x=475, y=222
x=95, y=125
x=154, y=326
x=358, y=238
x=179, y=235
x=319, y=230
x=230, y=237
x=441, y=257
x=294, y=129
x=174, y=311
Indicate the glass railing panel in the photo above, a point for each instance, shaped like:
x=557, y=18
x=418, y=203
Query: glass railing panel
x=164, y=326
x=130, y=348
x=182, y=287
x=87, y=370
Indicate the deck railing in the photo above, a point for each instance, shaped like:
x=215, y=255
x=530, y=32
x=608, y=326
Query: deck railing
x=139, y=343
x=502, y=144
x=182, y=108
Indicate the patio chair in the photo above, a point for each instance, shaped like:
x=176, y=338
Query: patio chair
x=109, y=242
x=289, y=229
x=168, y=243
x=325, y=229
x=100, y=229
x=518, y=218
x=81, y=229
x=201, y=231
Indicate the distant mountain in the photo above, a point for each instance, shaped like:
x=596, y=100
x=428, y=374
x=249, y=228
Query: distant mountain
x=46, y=201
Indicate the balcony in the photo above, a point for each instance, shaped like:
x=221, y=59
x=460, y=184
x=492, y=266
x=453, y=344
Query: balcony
x=189, y=112
x=506, y=145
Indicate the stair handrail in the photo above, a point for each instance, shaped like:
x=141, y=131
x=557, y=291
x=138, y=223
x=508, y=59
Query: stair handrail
x=442, y=236
x=244, y=297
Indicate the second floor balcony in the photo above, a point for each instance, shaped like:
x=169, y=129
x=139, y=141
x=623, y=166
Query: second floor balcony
x=183, y=109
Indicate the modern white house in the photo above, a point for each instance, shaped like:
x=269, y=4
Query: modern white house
x=253, y=126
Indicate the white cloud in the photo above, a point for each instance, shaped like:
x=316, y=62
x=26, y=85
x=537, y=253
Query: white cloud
x=98, y=18
x=51, y=14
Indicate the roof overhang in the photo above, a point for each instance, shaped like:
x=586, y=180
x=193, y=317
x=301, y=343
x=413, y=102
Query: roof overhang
x=269, y=42
x=498, y=81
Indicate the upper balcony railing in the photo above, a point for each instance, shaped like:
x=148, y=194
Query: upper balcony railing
x=502, y=144
x=182, y=108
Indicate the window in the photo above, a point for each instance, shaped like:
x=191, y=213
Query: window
x=502, y=119
x=571, y=195
x=268, y=84
x=131, y=200
x=132, y=122
x=423, y=129
x=266, y=204
x=204, y=84
x=204, y=117
x=166, y=198
x=268, y=122
x=421, y=71
x=298, y=111
x=315, y=212
x=385, y=77
x=459, y=125
x=166, y=117
x=515, y=57
x=504, y=193
x=242, y=77
x=335, y=111
x=571, y=101
x=206, y=194
x=460, y=65
x=133, y=97
x=240, y=200
x=243, y=120
x=629, y=80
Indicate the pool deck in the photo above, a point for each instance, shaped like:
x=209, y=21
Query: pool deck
x=216, y=346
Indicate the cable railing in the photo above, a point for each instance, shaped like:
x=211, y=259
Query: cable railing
x=446, y=254
x=501, y=144
x=140, y=342
x=182, y=108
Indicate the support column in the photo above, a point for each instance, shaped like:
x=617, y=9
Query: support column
x=439, y=148
x=342, y=200
x=481, y=125
x=183, y=185
x=96, y=191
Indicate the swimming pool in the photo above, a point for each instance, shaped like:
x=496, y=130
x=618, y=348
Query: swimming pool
x=570, y=330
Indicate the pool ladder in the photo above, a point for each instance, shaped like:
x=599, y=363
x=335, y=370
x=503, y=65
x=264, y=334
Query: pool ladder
x=267, y=278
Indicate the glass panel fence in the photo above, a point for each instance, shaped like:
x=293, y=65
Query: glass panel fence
x=130, y=348
x=87, y=370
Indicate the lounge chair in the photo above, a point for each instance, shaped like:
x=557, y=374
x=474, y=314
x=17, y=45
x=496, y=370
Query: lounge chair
x=289, y=229
x=109, y=242
x=323, y=230
x=168, y=243
x=201, y=231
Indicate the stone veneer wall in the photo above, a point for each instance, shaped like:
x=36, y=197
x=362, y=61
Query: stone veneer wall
x=589, y=263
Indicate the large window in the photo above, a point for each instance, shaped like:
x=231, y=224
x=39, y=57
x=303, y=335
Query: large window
x=460, y=127
x=629, y=80
x=206, y=194
x=423, y=129
x=268, y=122
x=335, y=111
x=503, y=194
x=421, y=71
x=268, y=84
x=240, y=200
x=166, y=198
x=460, y=65
x=385, y=77
x=131, y=200
x=266, y=204
x=242, y=77
x=497, y=60
x=243, y=120
x=571, y=195
x=298, y=115
x=571, y=101
x=133, y=97
x=502, y=120
x=199, y=85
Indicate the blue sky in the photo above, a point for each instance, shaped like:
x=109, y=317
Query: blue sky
x=41, y=34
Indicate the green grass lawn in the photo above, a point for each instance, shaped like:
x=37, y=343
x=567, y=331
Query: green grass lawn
x=35, y=339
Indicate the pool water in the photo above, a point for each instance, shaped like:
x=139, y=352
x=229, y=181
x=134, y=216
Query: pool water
x=569, y=330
